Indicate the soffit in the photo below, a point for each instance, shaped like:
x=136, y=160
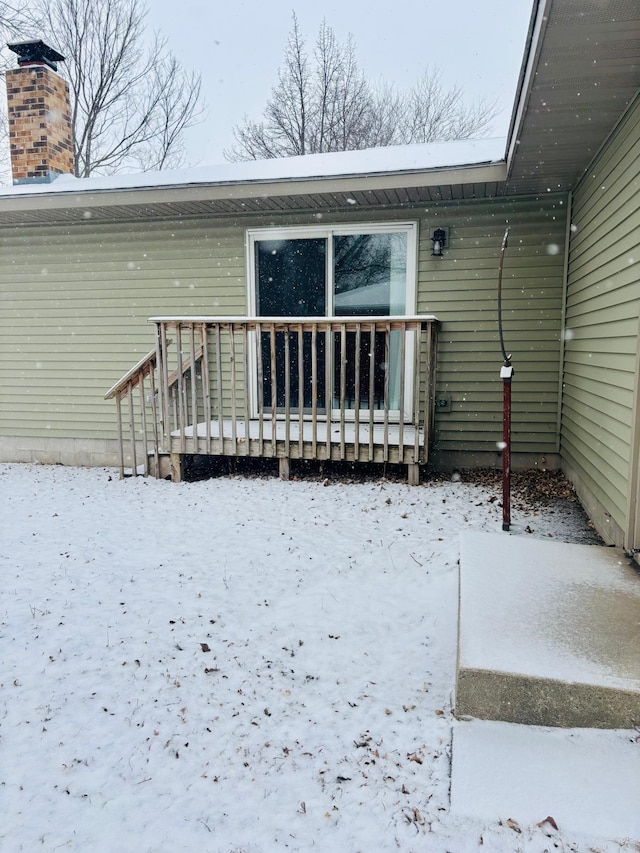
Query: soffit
x=584, y=74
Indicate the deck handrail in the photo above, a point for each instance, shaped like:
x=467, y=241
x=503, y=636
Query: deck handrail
x=397, y=320
x=186, y=365
x=139, y=426
x=134, y=376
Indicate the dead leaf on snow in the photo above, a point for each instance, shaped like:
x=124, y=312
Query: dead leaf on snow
x=512, y=824
x=548, y=820
x=414, y=816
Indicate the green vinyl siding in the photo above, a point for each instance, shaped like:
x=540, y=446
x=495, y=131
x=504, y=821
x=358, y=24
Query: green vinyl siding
x=75, y=309
x=603, y=302
x=461, y=290
x=76, y=302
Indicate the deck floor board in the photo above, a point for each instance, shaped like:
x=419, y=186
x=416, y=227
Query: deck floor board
x=317, y=440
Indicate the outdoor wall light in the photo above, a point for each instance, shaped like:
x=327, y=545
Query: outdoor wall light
x=439, y=241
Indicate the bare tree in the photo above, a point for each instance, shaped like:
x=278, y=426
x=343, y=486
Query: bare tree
x=12, y=18
x=319, y=104
x=286, y=129
x=433, y=113
x=325, y=103
x=130, y=102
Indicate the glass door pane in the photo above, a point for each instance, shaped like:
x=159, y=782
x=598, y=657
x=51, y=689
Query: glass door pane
x=369, y=279
x=291, y=282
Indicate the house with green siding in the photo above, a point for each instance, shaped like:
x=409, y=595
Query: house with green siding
x=344, y=306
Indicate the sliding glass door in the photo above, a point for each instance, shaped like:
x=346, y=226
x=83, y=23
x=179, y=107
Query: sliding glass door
x=338, y=272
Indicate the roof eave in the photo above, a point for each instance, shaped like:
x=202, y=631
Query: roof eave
x=174, y=193
x=535, y=35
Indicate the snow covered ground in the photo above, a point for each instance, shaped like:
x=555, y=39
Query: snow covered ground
x=243, y=665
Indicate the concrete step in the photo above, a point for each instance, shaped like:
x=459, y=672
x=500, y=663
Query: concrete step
x=549, y=633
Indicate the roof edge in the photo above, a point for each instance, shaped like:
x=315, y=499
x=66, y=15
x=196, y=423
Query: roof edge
x=537, y=27
x=494, y=171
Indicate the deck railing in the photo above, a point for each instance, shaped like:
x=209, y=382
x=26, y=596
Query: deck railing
x=137, y=392
x=340, y=388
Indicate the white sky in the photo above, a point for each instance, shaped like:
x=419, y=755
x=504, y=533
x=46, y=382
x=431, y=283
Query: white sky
x=239, y=45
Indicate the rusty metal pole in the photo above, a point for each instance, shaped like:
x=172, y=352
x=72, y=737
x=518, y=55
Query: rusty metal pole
x=506, y=372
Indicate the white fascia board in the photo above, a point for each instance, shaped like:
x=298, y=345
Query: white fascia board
x=539, y=21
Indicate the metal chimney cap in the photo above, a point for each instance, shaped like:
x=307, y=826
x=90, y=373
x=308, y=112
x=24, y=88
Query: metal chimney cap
x=36, y=51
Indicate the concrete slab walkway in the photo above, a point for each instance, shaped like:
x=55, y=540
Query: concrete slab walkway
x=587, y=782
x=549, y=633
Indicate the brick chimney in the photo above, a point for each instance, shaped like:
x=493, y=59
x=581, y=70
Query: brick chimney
x=39, y=111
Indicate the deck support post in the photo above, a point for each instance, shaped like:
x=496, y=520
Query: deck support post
x=413, y=474
x=176, y=468
x=283, y=468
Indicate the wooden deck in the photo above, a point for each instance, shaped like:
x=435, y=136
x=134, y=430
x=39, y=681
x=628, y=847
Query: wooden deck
x=382, y=443
x=357, y=389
